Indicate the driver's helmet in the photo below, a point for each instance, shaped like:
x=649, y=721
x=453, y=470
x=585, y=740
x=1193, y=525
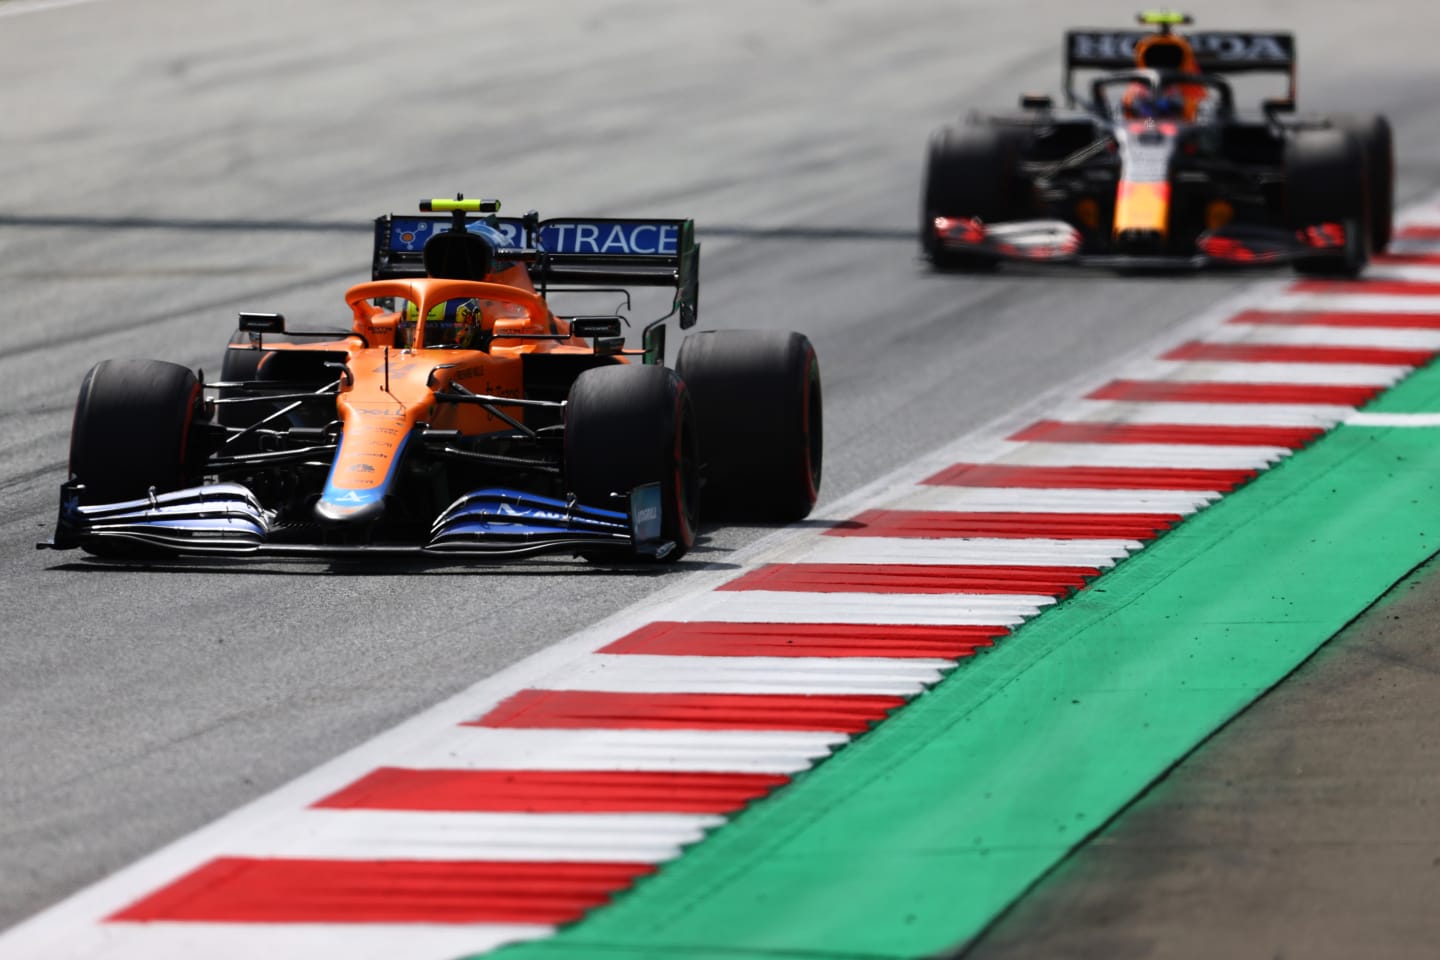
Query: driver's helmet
x=454, y=323
x=1143, y=103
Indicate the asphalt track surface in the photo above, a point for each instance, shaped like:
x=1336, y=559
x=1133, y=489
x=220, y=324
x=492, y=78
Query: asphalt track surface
x=167, y=164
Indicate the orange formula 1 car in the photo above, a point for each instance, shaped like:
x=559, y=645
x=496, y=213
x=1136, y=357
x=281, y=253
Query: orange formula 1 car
x=1153, y=164
x=459, y=414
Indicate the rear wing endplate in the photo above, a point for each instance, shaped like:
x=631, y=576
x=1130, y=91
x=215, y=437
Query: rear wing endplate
x=1216, y=51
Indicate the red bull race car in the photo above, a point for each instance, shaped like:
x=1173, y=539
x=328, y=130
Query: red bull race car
x=1153, y=163
x=456, y=413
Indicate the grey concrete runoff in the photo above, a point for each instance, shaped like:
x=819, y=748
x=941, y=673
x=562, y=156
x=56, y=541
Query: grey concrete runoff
x=1307, y=827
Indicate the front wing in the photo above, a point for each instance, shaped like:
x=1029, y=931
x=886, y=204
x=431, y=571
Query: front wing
x=226, y=519
x=1055, y=241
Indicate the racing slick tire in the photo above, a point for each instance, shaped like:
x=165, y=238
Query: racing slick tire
x=630, y=424
x=758, y=405
x=137, y=426
x=1373, y=132
x=969, y=172
x=1326, y=181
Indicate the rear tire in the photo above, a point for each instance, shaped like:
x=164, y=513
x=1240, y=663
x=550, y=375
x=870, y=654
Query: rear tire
x=758, y=404
x=969, y=172
x=136, y=427
x=1378, y=143
x=630, y=424
x=1326, y=181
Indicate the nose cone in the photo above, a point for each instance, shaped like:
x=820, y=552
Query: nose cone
x=351, y=508
x=365, y=466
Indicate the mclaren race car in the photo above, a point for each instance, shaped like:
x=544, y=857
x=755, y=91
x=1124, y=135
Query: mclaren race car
x=458, y=413
x=1152, y=162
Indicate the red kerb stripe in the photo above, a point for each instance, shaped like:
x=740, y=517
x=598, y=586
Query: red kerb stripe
x=1422, y=259
x=1338, y=318
x=1088, y=478
x=586, y=709
x=1287, y=353
x=721, y=639
x=552, y=791
x=252, y=890
x=1427, y=232
x=912, y=578
x=1174, y=391
x=1389, y=288
x=932, y=524
x=1057, y=431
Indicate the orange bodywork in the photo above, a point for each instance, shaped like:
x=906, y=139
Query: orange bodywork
x=390, y=389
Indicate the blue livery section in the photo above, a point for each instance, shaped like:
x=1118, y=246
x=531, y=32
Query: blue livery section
x=605, y=237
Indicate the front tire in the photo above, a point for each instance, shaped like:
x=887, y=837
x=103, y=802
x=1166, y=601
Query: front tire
x=1326, y=181
x=631, y=424
x=758, y=403
x=136, y=427
x=969, y=172
x=1378, y=143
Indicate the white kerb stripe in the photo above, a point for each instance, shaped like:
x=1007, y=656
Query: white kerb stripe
x=811, y=676
x=1393, y=420
x=1206, y=414
x=1410, y=272
x=1387, y=338
x=1026, y=500
x=284, y=941
x=1357, y=302
x=978, y=551
x=764, y=606
x=511, y=837
x=695, y=751
x=1207, y=371
x=1163, y=455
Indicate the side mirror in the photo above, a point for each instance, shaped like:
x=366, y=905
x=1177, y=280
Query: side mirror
x=1036, y=101
x=262, y=322
x=591, y=328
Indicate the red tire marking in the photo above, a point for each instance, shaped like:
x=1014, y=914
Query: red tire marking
x=931, y=524
x=720, y=639
x=1089, y=478
x=588, y=709
x=254, y=890
x=552, y=791
x=913, y=578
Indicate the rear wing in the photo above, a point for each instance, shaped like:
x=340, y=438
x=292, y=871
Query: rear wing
x=1216, y=51
x=564, y=252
